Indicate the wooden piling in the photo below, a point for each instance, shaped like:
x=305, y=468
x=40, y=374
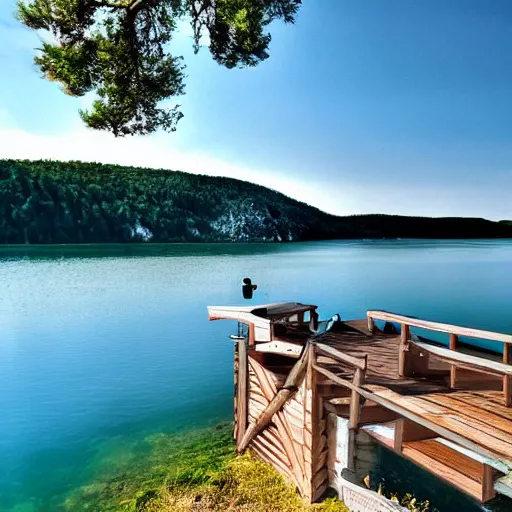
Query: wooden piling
x=402, y=353
x=243, y=375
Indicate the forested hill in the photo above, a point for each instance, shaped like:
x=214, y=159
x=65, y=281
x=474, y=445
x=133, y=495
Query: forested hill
x=44, y=202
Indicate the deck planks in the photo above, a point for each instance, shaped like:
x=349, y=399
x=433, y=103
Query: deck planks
x=297, y=442
x=474, y=429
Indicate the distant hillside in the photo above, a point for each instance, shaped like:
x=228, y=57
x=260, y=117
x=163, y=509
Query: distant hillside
x=73, y=202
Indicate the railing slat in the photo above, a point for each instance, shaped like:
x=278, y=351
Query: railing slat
x=358, y=362
x=338, y=380
x=506, y=378
x=440, y=327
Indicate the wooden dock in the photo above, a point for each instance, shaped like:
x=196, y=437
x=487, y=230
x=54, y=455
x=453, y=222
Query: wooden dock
x=310, y=396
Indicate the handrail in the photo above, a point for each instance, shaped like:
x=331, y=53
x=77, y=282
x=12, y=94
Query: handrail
x=436, y=326
x=454, y=331
x=358, y=362
x=467, y=361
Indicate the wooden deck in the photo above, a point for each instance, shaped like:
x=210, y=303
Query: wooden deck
x=476, y=414
x=446, y=409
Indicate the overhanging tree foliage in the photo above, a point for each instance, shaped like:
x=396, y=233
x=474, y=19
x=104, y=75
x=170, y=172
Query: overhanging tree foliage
x=120, y=49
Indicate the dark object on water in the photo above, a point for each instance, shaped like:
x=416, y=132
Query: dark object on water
x=248, y=288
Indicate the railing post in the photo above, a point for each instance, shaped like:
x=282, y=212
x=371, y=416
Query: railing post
x=314, y=417
x=403, y=349
x=252, y=335
x=453, y=369
x=242, y=391
x=355, y=400
x=355, y=412
x=506, y=378
x=371, y=324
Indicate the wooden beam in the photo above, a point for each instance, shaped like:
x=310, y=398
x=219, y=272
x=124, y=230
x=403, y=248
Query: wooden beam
x=440, y=327
x=311, y=400
x=466, y=360
x=292, y=450
x=403, y=349
x=252, y=335
x=406, y=430
x=280, y=347
x=453, y=369
x=506, y=378
x=447, y=465
x=357, y=362
x=243, y=378
x=488, y=492
x=288, y=389
x=334, y=378
x=498, y=464
x=355, y=403
x=441, y=431
x=502, y=468
x=235, y=393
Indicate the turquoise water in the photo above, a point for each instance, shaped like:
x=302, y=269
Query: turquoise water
x=97, y=352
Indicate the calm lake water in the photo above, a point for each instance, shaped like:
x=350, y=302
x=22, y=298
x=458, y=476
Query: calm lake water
x=99, y=348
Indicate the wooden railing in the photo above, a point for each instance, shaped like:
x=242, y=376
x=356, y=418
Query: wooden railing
x=471, y=362
x=358, y=363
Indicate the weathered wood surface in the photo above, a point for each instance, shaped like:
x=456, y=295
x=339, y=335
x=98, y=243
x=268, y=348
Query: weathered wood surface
x=452, y=467
x=440, y=327
x=470, y=432
x=281, y=347
x=334, y=378
x=341, y=357
x=406, y=431
x=315, y=423
x=285, y=424
x=453, y=368
x=370, y=412
x=403, y=350
x=467, y=361
x=277, y=402
x=291, y=447
x=507, y=389
x=359, y=325
x=243, y=377
x=235, y=394
x=355, y=400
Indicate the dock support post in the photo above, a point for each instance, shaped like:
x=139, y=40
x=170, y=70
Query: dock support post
x=355, y=412
x=311, y=390
x=243, y=376
x=404, y=348
x=453, y=369
x=506, y=378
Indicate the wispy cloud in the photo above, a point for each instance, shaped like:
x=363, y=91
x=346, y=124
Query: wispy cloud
x=333, y=196
x=154, y=152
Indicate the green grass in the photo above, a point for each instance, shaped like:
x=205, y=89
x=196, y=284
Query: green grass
x=191, y=458
x=192, y=472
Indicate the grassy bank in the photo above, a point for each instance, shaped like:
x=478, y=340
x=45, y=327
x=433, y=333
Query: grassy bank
x=191, y=472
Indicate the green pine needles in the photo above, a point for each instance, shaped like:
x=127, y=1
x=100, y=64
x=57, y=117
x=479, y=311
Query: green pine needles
x=120, y=50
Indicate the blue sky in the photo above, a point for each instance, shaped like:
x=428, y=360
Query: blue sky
x=374, y=106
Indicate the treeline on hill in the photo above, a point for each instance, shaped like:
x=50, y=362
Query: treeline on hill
x=45, y=202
